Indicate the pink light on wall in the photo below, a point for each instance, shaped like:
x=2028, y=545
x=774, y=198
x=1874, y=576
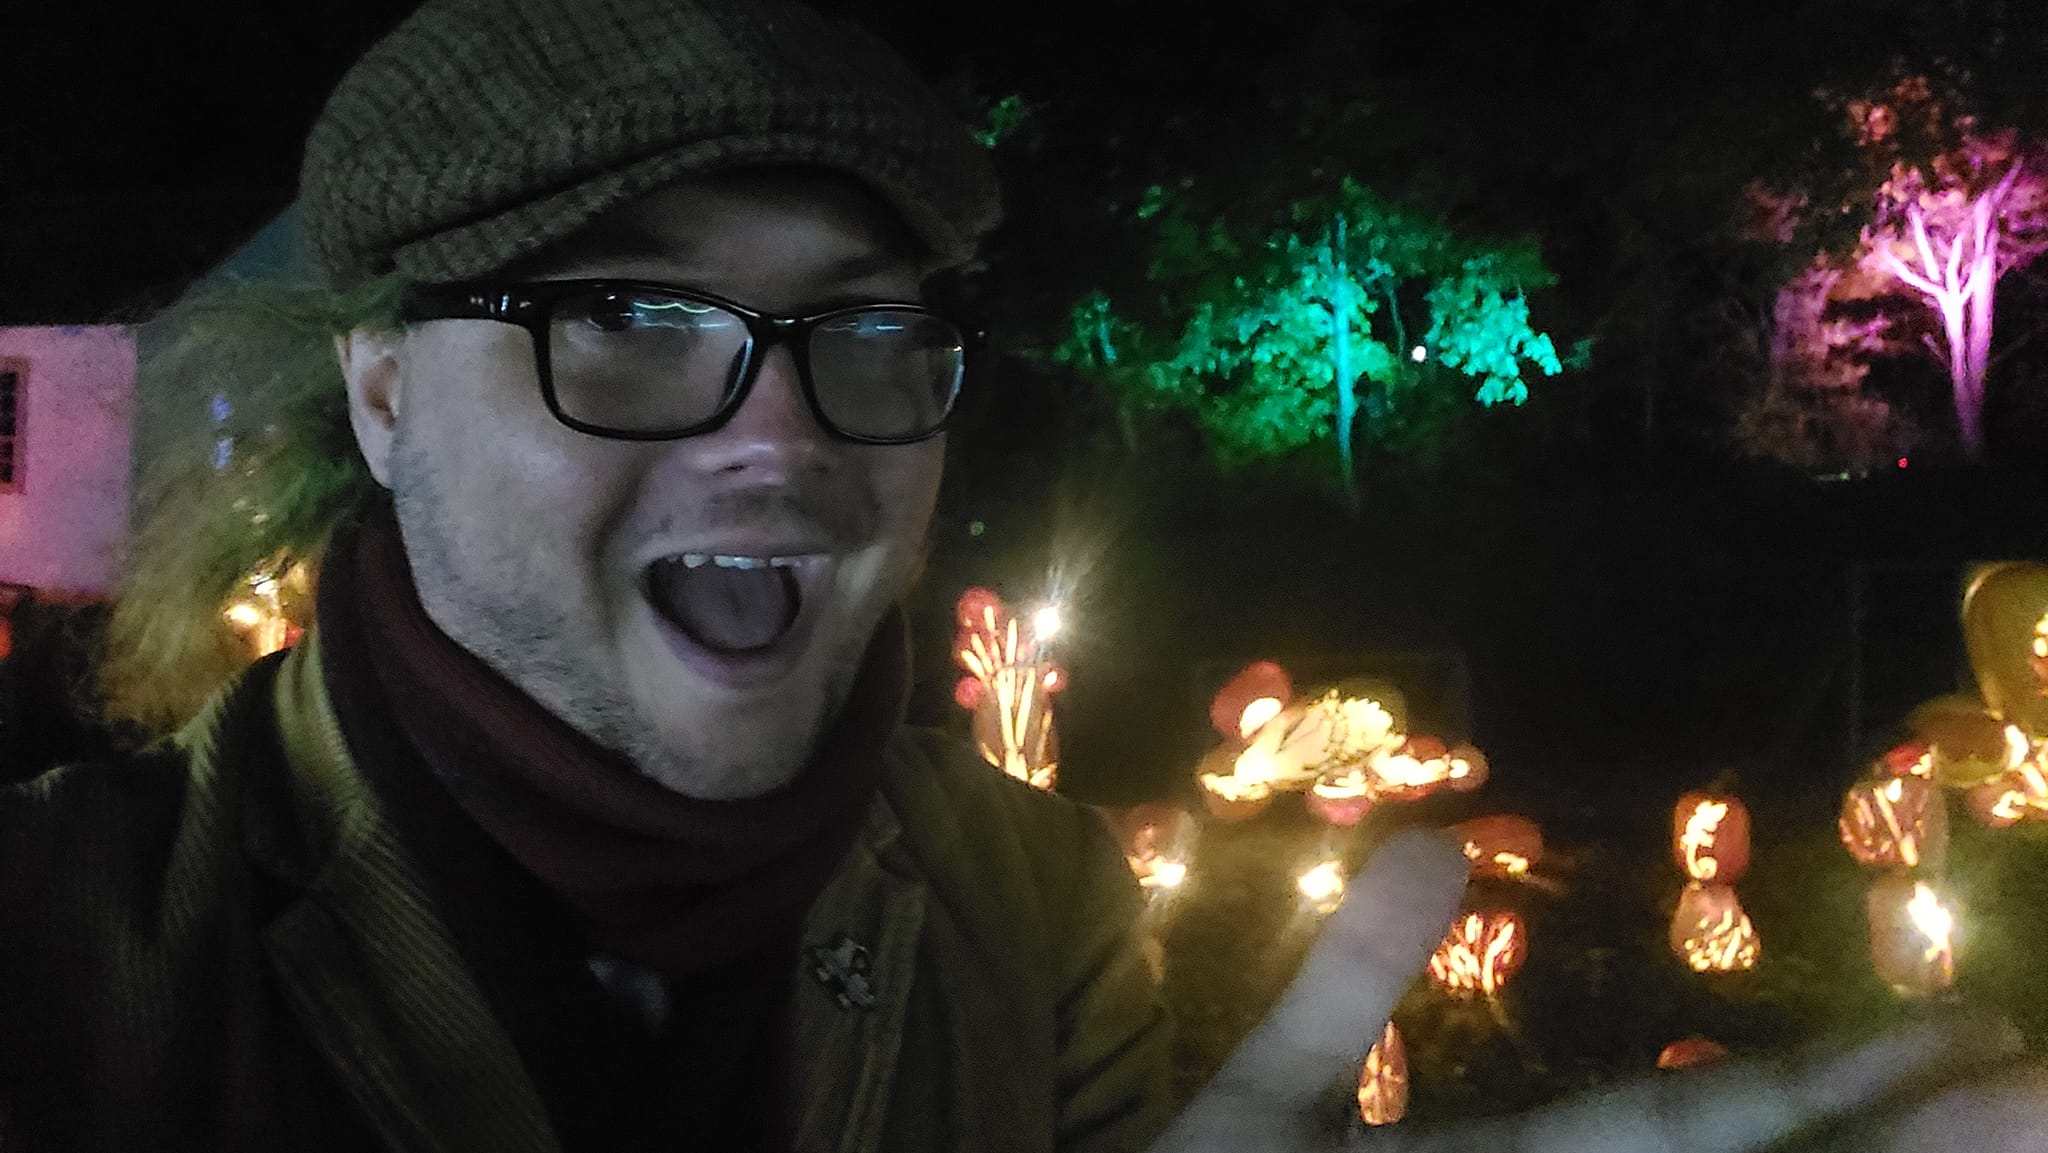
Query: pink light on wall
x=63, y=523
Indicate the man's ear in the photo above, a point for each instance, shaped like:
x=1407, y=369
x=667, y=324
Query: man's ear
x=369, y=365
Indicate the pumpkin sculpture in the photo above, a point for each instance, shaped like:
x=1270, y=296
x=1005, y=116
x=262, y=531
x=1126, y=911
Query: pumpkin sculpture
x=1482, y=951
x=1500, y=846
x=1710, y=932
x=1383, y=1082
x=1009, y=687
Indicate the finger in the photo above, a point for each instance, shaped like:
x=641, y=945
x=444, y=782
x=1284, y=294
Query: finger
x=1998, y=1111
x=1737, y=1107
x=1395, y=912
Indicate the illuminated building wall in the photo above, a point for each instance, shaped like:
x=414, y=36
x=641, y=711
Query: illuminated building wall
x=63, y=517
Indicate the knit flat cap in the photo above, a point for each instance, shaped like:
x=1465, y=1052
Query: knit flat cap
x=480, y=131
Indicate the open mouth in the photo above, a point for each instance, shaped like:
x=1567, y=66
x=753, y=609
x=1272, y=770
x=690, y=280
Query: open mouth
x=732, y=605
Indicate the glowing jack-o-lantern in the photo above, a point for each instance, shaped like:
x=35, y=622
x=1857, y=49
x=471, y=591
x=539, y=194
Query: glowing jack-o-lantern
x=1710, y=837
x=1500, y=845
x=1321, y=887
x=1690, y=1052
x=1899, y=823
x=1482, y=951
x=1912, y=759
x=1012, y=706
x=1710, y=932
x=1248, y=700
x=1383, y=1081
x=1158, y=844
x=2037, y=650
x=1228, y=796
x=1911, y=936
x=1419, y=765
x=1966, y=742
x=2021, y=791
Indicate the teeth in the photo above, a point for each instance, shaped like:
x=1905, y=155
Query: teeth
x=724, y=560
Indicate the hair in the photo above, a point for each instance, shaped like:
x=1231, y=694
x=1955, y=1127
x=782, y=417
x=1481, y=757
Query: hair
x=245, y=461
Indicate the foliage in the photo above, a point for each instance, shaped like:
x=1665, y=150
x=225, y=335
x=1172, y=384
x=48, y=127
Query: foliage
x=1276, y=341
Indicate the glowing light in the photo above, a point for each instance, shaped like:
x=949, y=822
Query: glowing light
x=1418, y=354
x=1047, y=622
x=1934, y=923
x=2041, y=639
x=1699, y=834
x=1257, y=713
x=244, y=615
x=1383, y=1081
x=1482, y=951
x=1322, y=887
x=1165, y=875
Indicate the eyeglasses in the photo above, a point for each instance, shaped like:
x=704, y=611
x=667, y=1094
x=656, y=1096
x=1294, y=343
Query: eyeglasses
x=636, y=360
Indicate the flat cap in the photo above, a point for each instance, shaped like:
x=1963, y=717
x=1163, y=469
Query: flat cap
x=480, y=131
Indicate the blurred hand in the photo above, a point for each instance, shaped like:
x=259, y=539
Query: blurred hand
x=1290, y=1087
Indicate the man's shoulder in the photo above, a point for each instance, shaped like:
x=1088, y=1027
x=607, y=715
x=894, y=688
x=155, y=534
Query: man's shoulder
x=991, y=837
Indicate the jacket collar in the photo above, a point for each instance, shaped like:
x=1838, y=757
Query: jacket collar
x=376, y=981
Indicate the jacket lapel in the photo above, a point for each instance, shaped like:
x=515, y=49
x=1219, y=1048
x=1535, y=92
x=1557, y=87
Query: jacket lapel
x=371, y=972
x=853, y=993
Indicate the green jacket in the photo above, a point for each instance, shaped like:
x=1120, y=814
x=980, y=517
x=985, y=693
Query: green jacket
x=221, y=943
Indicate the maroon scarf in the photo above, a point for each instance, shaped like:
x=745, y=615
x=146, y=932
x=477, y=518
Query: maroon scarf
x=677, y=885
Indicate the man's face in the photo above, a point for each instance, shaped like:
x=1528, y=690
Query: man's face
x=559, y=557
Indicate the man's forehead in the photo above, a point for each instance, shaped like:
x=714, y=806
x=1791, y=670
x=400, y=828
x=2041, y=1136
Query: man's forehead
x=841, y=231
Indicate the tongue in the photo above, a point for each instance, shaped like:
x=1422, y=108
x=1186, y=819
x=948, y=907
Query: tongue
x=727, y=610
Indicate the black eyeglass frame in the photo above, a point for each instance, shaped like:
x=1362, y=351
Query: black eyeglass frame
x=530, y=305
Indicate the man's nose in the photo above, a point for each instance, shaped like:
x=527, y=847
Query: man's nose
x=774, y=433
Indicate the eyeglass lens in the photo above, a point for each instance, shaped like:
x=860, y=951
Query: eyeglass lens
x=645, y=361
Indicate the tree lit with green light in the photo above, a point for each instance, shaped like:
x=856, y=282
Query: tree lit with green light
x=1355, y=323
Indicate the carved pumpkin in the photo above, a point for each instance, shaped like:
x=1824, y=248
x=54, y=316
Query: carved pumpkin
x=1227, y=796
x=1158, y=843
x=1482, y=951
x=1231, y=710
x=1690, y=1052
x=1911, y=930
x=1900, y=823
x=1500, y=845
x=1383, y=1081
x=2004, y=611
x=1710, y=836
x=1912, y=759
x=1967, y=742
x=2017, y=794
x=1339, y=806
x=1468, y=769
x=1710, y=932
x=979, y=608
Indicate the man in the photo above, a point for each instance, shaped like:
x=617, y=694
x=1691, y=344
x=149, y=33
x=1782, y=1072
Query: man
x=585, y=818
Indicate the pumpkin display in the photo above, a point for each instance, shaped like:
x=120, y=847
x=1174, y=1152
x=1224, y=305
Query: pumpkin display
x=1710, y=836
x=1898, y=823
x=1481, y=952
x=1248, y=700
x=2005, y=609
x=1691, y=1051
x=1012, y=708
x=1383, y=1080
x=1911, y=936
x=1710, y=932
x=1500, y=845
